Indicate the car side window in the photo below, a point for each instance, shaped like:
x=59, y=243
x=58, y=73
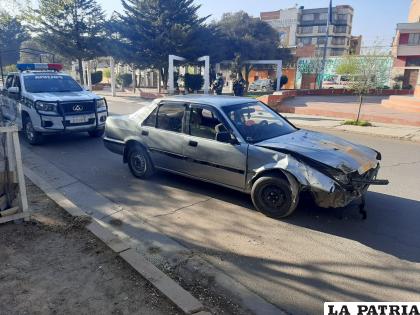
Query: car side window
x=16, y=82
x=204, y=123
x=151, y=120
x=9, y=81
x=170, y=117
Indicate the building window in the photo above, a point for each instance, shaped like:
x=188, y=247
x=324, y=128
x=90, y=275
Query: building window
x=340, y=29
x=341, y=17
x=306, y=29
x=321, y=40
x=306, y=40
x=307, y=17
x=338, y=41
x=413, y=62
x=414, y=39
x=336, y=52
x=323, y=16
x=322, y=29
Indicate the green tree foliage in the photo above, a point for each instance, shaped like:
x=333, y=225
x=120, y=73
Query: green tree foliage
x=366, y=72
x=12, y=34
x=249, y=38
x=154, y=29
x=71, y=28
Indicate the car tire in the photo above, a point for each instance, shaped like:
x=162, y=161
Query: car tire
x=97, y=133
x=273, y=196
x=33, y=137
x=140, y=163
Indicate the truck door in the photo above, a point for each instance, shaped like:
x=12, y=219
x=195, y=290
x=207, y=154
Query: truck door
x=6, y=101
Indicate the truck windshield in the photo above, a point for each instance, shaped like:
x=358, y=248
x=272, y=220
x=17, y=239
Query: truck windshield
x=256, y=122
x=46, y=83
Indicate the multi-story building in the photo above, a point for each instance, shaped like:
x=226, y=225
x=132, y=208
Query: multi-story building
x=308, y=27
x=406, y=47
x=285, y=22
x=312, y=29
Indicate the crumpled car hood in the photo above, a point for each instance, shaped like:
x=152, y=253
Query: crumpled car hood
x=326, y=149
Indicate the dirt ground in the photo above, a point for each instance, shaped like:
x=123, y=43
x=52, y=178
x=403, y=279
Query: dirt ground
x=53, y=266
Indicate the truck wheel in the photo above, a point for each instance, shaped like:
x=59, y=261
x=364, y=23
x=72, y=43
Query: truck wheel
x=32, y=136
x=139, y=163
x=273, y=196
x=96, y=133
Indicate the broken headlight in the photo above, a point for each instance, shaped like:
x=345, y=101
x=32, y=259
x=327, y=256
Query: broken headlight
x=337, y=175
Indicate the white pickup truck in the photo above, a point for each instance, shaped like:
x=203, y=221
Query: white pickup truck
x=43, y=100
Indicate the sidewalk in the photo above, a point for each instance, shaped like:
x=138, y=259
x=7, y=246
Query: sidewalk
x=400, y=132
x=346, y=107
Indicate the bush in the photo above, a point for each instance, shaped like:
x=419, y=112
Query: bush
x=107, y=73
x=407, y=87
x=125, y=79
x=362, y=123
x=193, y=82
x=96, y=77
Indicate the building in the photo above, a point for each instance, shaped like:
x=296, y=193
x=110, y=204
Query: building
x=406, y=48
x=300, y=27
x=313, y=27
x=285, y=22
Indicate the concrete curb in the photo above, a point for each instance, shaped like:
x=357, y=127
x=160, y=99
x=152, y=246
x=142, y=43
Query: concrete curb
x=168, y=287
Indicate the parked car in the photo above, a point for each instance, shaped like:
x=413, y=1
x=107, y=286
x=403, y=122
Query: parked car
x=43, y=100
x=242, y=144
x=261, y=85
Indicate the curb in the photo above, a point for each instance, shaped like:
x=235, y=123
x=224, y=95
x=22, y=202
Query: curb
x=168, y=287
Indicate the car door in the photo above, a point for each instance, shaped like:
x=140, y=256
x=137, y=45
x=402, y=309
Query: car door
x=163, y=134
x=207, y=158
x=7, y=101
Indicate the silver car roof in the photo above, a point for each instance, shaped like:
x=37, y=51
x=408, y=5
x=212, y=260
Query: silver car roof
x=213, y=100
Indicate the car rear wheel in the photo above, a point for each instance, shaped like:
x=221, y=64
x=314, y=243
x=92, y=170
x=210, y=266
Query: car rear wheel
x=139, y=162
x=273, y=196
x=32, y=136
x=96, y=133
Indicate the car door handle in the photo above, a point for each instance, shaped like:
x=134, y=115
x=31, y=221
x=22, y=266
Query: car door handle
x=193, y=143
x=144, y=133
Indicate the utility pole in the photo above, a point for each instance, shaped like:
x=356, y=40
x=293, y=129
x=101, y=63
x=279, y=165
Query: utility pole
x=324, y=54
x=1, y=68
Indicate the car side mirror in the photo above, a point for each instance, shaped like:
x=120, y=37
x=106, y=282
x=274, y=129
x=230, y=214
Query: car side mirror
x=226, y=137
x=13, y=90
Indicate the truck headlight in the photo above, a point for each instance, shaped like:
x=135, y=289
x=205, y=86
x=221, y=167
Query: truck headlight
x=46, y=107
x=100, y=104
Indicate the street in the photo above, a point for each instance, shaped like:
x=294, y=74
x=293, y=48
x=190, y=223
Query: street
x=316, y=255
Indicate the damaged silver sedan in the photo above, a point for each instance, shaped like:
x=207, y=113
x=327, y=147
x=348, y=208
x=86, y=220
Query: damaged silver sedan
x=242, y=144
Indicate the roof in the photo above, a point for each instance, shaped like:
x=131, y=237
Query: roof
x=213, y=100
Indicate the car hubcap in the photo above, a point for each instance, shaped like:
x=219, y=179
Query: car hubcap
x=273, y=196
x=30, y=133
x=139, y=163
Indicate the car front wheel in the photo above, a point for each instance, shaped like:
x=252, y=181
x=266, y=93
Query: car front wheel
x=273, y=196
x=139, y=163
x=32, y=136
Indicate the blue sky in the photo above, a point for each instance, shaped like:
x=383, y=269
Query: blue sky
x=374, y=19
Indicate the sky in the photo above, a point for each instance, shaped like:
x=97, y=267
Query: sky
x=374, y=19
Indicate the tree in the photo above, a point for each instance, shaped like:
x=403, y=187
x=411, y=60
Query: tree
x=249, y=39
x=72, y=28
x=366, y=72
x=12, y=34
x=154, y=29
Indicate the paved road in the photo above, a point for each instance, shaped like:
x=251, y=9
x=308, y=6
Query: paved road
x=296, y=264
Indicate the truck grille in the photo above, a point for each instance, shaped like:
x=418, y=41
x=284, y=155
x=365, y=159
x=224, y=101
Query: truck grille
x=77, y=108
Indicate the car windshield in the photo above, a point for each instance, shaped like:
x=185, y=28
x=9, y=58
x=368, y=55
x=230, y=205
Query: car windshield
x=256, y=122
x=41, y=83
